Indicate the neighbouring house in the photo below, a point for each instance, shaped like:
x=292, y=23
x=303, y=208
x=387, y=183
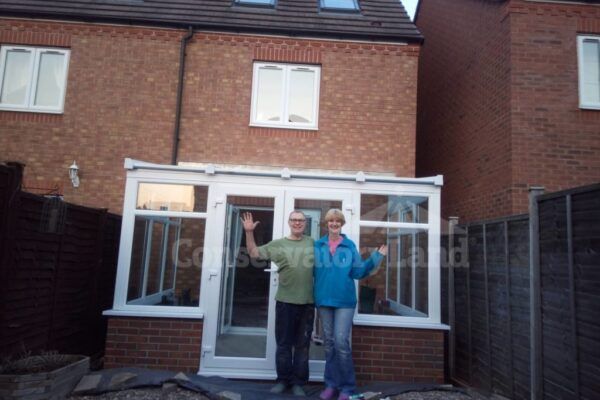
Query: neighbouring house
x=509, y=98
x=216, y=108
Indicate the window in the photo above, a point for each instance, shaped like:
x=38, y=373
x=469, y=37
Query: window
x=168, y=246
x=588, y=48
x=340, y=5
x=401, y=286
x=33, y=79
x=265, y=3
x=285, y=96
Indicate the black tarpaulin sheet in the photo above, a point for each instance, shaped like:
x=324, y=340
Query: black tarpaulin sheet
x=218, y=388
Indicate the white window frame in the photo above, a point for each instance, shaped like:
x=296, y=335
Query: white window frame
x=151, y=299
x=257, y=183
x=130, y=211
x=258, y=3
x=418, y=320
x=287, y=69
x=34, y=67
x=580, y=40
x=354, y=9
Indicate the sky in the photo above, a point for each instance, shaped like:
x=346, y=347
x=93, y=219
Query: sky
x=411, y=6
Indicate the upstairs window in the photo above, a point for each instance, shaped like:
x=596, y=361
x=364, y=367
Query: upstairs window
x=588, y=49
x=339, y=5
x=264, y=3
x=33, y=79
x=285, y=96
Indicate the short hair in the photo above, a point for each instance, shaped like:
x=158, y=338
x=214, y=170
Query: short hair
x=296, y=212
x=335, y=213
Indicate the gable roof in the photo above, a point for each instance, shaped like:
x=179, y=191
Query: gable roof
x=378, y=20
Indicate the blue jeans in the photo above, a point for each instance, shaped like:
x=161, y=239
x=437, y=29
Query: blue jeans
x=293, y=330
x=339, y=367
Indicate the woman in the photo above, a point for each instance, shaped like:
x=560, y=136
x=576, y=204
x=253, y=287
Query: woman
x=337, y=264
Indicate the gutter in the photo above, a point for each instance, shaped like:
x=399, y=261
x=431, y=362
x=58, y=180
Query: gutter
x=184, y=42
x=283, y=173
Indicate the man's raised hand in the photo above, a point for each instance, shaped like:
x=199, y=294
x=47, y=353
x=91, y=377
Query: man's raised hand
x=247, y=222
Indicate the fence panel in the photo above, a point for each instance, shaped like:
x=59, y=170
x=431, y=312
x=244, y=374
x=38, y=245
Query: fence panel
x=569, y=242
x=518, y=262
x=499, y=328
x=492, y=301
x=491, y=306
x=58, y=272
x=586, y=259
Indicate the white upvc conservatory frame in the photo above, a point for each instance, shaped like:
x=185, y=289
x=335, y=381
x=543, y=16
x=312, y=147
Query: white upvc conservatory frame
x=139, y=171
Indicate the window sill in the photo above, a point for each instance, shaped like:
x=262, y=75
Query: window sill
x=29, y=110
x=289, y=127
x=589, y=107
x=260, y=131
x=361, y=321
x=154, y=314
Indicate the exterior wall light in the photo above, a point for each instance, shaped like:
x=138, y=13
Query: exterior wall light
x=74, y=174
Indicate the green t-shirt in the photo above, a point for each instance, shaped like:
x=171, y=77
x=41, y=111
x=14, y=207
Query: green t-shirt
x=295, y=261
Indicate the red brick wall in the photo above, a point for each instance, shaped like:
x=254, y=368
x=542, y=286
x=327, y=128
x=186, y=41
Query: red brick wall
x=498, y=103
x=368, y=120
x=554, y=143
x=155, y=343
x=463, y=105
x=380, y=354
x=120, y=102
x=398, y=354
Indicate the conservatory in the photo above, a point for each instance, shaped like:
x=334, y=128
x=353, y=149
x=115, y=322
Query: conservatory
x=182, y=253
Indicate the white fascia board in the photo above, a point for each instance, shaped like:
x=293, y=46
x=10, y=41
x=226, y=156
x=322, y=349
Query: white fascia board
x=285, y=173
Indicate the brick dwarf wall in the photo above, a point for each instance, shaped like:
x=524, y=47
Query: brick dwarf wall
x=380, y=354
x=121, y=93
x=398, y=354
x=498, y=103
x=155, y=343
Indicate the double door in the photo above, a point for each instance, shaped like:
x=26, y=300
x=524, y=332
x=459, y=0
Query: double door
x=239, y=292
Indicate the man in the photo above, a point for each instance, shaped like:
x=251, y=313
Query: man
x=294, y=312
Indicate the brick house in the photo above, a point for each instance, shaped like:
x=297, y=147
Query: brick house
x=508, y=98
x=250, y=105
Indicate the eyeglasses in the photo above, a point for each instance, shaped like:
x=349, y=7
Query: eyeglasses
x=297, y=220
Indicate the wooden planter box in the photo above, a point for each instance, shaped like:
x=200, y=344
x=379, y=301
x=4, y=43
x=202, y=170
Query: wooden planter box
x=53, y=385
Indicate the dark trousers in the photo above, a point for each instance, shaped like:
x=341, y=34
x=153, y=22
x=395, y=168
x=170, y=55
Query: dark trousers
x=293, y=330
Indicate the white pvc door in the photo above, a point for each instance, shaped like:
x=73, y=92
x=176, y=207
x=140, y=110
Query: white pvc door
x=238, y=338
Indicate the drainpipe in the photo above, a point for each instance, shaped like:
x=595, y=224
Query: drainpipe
x=184, y=41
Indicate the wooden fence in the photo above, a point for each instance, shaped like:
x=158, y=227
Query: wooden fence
x=524, y=299
x=57, y=271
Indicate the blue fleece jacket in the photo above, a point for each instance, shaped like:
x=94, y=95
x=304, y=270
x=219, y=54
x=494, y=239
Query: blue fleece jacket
x=335, y=274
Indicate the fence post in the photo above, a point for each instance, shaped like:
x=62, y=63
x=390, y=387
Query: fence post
x=95, y=324
x=452, y=223
x=535, y=294
x=486, y=291
x=469, y=322
x=511, y=385
x=572, y=295
x=8, y=221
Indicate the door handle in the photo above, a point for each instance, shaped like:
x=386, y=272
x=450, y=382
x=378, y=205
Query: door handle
x=213, y=273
